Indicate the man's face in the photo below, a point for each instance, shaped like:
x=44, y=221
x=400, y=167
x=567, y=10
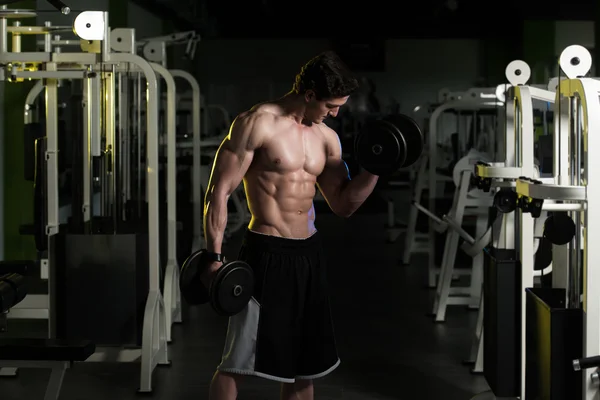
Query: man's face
x=318, y=110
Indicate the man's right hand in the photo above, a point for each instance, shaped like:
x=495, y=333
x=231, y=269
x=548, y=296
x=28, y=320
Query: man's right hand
x=209, y=273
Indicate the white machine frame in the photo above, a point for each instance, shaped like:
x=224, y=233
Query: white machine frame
x=519, y=161
x=428, y=177
x=575, y=188
x=122, y=41
x=558, y=188
x=154, y=50
x=92, y=27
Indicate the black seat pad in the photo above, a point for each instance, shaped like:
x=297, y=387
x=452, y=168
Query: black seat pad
x=45, y=350
x=20, y=267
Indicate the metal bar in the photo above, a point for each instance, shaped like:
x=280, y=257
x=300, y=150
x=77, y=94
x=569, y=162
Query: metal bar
x=33, y=94
x=52, y=223
x=3, y=32
x=86, y=154
x=110, y=137
x=152, y=166
x=171, y=161
x=564, y=207
x=95, y=88
x=197, y=149
x=48, y=74
x=26, y=57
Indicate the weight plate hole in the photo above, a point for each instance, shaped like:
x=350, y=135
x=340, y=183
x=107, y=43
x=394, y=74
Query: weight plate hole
x=377, y=149
x=237, y=290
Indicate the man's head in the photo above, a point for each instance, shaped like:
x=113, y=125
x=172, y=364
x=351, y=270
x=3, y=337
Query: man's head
x=325, y=83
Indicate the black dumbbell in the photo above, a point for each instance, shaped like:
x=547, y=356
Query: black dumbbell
x=13, y=290
x=230, y=289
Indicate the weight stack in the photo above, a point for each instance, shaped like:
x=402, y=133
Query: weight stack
x=502, y=322
x=100, y=287
x=554, y=338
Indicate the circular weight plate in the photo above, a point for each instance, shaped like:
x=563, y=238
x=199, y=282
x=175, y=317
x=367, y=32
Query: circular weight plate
x=543, y=256
x=8, y=295
x=559, y=228
x=412, y=135
x=402, y=149
x=232, y=288
x=505, y=201
x=379, y=149
x=17, y=14
x=192, y=289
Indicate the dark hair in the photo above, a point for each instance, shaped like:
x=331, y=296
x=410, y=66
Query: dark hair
x=326, y=75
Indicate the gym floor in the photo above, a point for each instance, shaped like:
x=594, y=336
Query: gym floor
x=388, y=346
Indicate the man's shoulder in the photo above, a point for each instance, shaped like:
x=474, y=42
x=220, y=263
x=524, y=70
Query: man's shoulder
x=261, y=113
x=330, y=135
x=268, y=107
x=259, y=123
x=326, y=129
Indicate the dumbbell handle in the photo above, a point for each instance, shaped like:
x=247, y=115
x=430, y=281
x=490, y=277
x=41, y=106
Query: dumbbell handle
x=586, y=363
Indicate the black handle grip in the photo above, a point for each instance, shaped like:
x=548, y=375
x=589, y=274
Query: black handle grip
x=60, y=6
x=585, y=363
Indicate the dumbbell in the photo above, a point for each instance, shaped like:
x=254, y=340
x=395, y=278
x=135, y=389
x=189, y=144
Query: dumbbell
x=388, y=144
x=13, y=290
x=229, y=291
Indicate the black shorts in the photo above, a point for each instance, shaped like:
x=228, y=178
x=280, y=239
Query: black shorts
x=286, y=332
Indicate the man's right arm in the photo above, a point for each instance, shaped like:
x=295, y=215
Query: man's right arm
x=230, y=165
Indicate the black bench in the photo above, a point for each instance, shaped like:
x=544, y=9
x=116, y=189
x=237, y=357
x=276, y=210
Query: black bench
x=21, y=267
x=56, y=355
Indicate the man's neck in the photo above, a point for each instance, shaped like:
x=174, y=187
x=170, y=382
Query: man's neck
x=293, y=105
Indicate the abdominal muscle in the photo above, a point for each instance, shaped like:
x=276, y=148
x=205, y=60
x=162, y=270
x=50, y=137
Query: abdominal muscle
x=281, y=204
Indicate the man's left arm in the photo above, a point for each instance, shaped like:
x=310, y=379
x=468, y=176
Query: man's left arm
x=343, y=194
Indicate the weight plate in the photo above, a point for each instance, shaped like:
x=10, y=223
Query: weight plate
x=559, y=228
x=232, y=288
x=410, y=131
x=192, y=289
x=379, y=149
x=402, y=149
x=505, y=201
x=19, y=284
x=8, y=295
x=543, y=256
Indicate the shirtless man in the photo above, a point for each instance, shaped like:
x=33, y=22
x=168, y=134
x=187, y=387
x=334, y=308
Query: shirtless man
x=282, y=150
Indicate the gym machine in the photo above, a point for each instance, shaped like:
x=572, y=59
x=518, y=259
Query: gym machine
x=467, y=202
x=476, y=101
x=96, y=67
x=521, y=101
x=154, y=50
x=499, y=312
x=568, y=313
x=532, y=348
x=123, y=42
